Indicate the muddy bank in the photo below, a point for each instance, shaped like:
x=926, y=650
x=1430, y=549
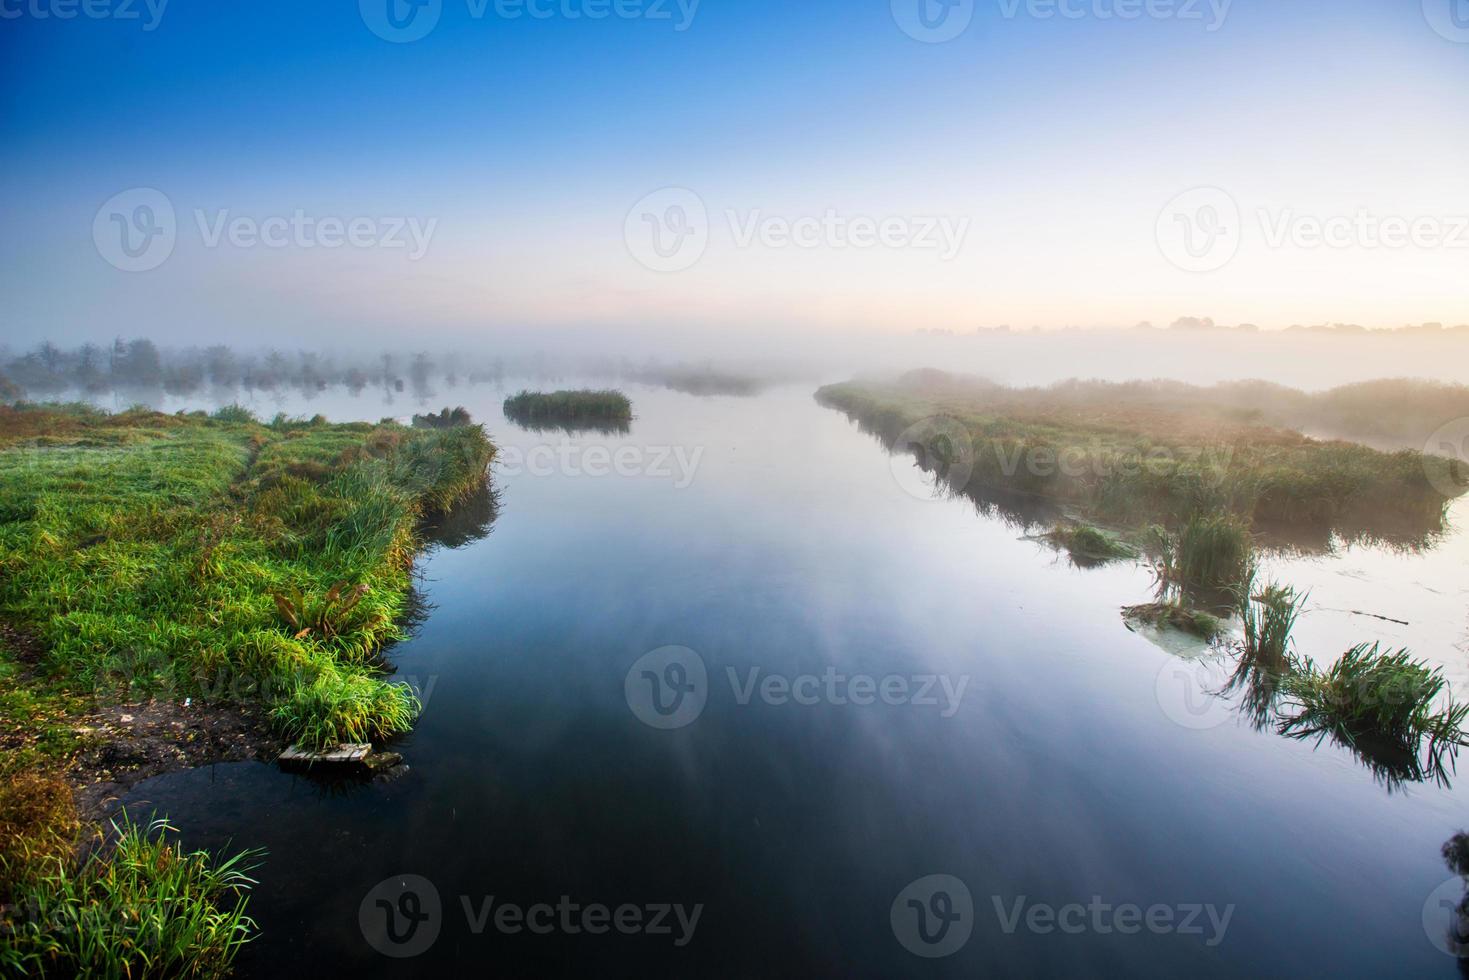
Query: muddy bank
x=128, y=743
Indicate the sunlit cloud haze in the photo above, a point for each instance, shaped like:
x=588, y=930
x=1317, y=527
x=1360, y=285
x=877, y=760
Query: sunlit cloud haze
x=1050, y=148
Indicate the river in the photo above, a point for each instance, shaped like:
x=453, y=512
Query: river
x=737, y=666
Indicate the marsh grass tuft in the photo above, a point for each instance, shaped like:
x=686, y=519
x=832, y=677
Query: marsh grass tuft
x=337, y=707
x=1268, y=617
x=1387, y=697
x=446, y=419
x=140, y=907
x=1205, y=562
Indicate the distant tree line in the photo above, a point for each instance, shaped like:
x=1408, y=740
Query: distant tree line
x=139, y=365
x=140, y=370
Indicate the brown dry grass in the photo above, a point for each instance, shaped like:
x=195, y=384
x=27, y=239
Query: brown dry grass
x=38, y=824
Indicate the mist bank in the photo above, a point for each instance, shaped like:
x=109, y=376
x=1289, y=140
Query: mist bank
x=1386, y=413
x=734, y=362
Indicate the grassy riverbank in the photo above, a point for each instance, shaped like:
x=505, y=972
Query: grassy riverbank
x=1128, y=455
x=255, y=568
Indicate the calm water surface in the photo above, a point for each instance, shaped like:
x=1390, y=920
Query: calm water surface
x=1081, y=764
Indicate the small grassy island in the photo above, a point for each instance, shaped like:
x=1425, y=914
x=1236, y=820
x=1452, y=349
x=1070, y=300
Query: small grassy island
x=570, y=411
x=150, y=559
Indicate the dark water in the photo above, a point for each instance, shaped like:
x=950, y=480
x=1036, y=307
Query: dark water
x=1077, y=766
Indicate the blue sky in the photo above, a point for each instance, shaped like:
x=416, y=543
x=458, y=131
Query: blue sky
x=1058, y=141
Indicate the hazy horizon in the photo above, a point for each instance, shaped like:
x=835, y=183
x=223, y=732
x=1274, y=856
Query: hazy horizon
x=690, y=173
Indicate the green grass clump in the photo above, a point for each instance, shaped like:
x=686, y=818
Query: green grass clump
x=446, y=419
x=142, y=908
x=1090, y=545
x=562, y=409
x=233, y=413
x=337, y=707
x=1268, y=618
x=1213, y=553
x=1375, y=694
